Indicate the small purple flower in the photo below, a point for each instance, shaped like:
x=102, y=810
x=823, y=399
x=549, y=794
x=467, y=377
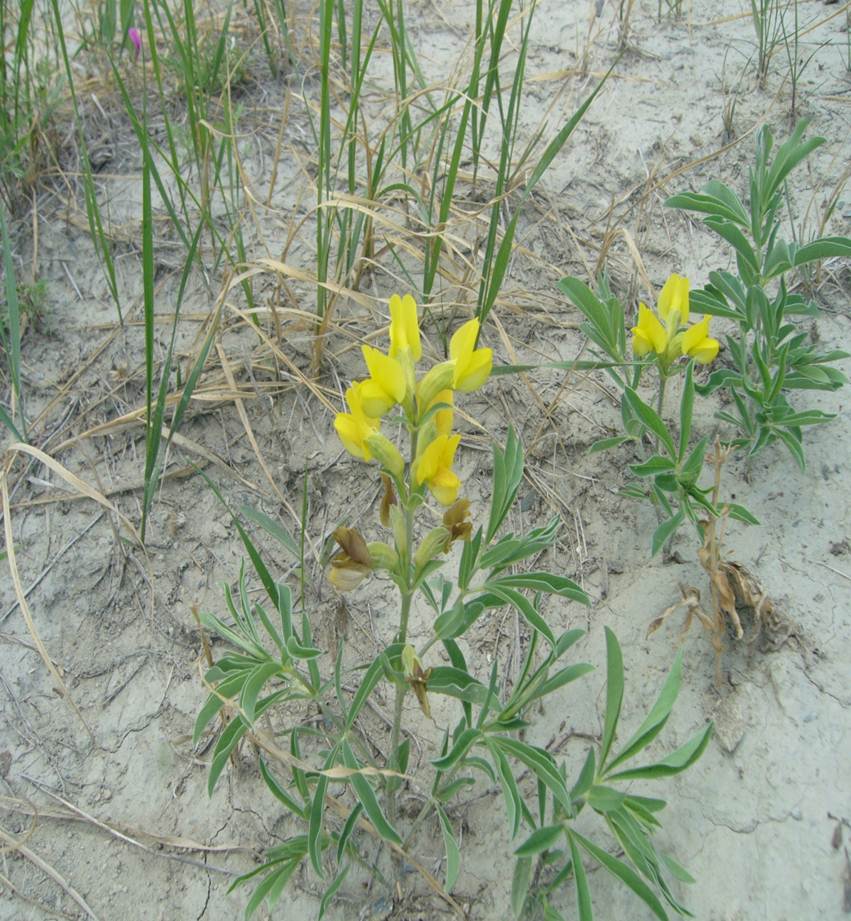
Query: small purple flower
x=135, y=37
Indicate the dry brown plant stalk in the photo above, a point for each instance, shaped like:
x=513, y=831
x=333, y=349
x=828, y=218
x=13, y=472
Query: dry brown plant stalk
x=732, y=587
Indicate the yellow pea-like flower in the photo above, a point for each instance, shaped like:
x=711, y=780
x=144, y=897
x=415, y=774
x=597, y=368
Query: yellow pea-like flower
x=386, y=385
x=672, y=305
x=698, y=344
x=434, y=468
x=443, y=417
x=649, y=335
x=404, y=327
x=355, y=427
x=472, y=366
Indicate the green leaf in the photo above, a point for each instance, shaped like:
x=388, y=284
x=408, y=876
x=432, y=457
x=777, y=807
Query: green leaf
x=317, y=811
x=586, y=776
x=525, y=607
x=823, y=248
x=539, y=761
x=605, y=443
x=462, y=745
x=297, y=651
x=234, y=731
x=740, y=513
x=653, y=466
x=650, y=418
x=225, y=690
x=279, y=792
x=453, y=853
x=544, y=582
x=254, y=685
x=331, y=891
x=271, y=887
x=510, y=792
x=656, y=718
x=455, y=682
x=731, y=233
x=583, y=893
x=708, y=203
x=675, y=763
x=520, y=885
x=560, y=679
x=604, y=799
x=347, y=830
x=366, y=795
x=614, y=693
x=665, y=531
x=542, y=839
x=507, y=476
x=280, y=533
x=368, y=682
x=624, y=873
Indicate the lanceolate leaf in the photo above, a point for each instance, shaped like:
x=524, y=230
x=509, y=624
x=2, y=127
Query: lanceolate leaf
x=583, y=893
x=614, y=692
x=656, y=718
x=450, y=845
x=368, y=799
x=542, y=839
x=677, y=761
x=624, y=873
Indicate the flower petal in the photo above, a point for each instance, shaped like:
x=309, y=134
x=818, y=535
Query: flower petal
x=650, y=330
x=404, y=328
x=386, y=372
x=463, y=342
x=673, y=299
x=477, y=371
x=351, y=434
x=444, y=486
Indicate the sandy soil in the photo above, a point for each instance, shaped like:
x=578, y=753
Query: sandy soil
x=762, y=821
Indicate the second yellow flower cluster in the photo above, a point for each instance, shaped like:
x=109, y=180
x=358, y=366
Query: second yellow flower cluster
x=661, y=332
x=427, y=403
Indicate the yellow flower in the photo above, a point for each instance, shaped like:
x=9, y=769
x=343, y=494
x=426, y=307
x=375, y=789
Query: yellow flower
x=472, y=366
x=404, y=329
x=698, y=344
x=659, y=332
x=434, y=468
x=649, y=335
x=672, y=305
x=443, y=417
x=355, y=427
x=386, y=385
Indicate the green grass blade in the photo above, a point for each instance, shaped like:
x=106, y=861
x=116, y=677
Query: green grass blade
x=14, y=344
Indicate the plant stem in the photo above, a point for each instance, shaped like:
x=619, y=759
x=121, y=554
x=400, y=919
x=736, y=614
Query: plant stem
x=660, y=400
x=404, y=613
x=660, y=403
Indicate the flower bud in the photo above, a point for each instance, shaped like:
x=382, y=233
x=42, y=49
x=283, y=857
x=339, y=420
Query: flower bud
x=383, y=556
x=437, y=379
x=352, y=563
x=399, y=528
x=435, y=542
x=346, y=579
x=410, y=660
x=386, y=453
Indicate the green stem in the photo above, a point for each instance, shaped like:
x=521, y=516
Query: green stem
x=660, y=400
x=407, y=555
x=660, y=403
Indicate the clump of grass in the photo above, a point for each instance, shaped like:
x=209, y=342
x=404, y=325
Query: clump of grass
x=30, y=95
x=10, y=337
x=767, y=19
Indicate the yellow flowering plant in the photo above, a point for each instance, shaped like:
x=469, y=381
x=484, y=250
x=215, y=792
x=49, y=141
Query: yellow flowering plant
x=665, y=340
x=771, y=357
x=274, y=670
